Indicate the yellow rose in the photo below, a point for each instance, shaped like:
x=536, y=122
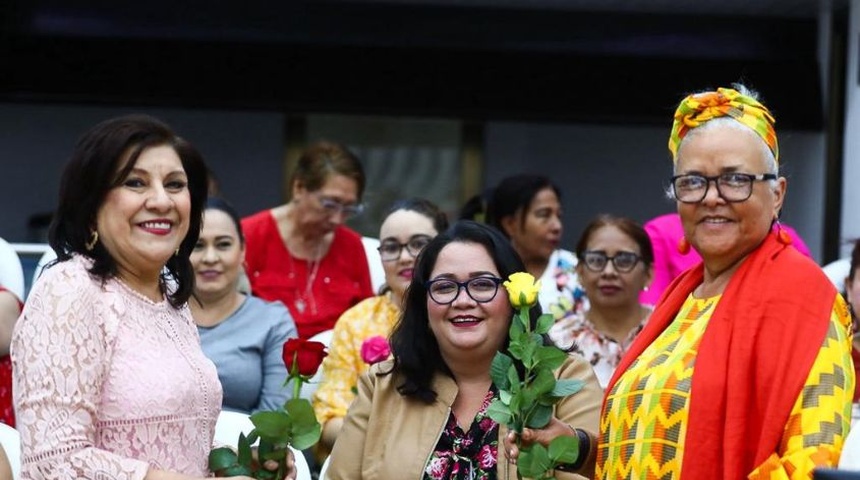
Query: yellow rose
x=522, y=289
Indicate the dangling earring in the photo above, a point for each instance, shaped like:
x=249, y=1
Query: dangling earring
x=683, y=246
x=94, y=238
x=176, y=253
x=781, y=235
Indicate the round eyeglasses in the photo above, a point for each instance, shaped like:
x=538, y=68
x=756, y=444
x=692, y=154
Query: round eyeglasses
x=481, y=289
x=332, y=206
x=623, y=262
x=390, y=249
x=731, y=186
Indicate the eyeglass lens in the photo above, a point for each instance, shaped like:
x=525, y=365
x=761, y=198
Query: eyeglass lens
x=392, y=249
x=622, y=261
x=480, y=289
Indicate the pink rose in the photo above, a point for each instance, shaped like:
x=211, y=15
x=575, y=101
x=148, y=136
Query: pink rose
x=375, y=349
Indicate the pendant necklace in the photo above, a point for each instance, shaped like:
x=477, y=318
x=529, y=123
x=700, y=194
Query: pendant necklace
x=305, y=299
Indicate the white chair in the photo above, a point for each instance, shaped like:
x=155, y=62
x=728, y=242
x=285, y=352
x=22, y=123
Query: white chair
x=11, y=441
x=324, y=467
x=377, y=274
x=850, y=459
x=46, y=257
x=11, y=272
x=837, y=271
x=310, y=387
x=231, y=424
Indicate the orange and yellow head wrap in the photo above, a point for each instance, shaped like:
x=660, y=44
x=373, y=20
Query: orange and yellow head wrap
x=699, y=108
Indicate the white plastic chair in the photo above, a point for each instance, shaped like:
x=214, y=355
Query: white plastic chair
x=231, y=424
x=837, y=271
x=11, y=272
x=850, y=459
x=11, y=441
x=377, y=274
x=46, y=257
x=324, y=467
x=310, y=387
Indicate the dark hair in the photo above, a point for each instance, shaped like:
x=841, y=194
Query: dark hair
x=102, y=159
x=415, y=349
x=324, y=159
x=627, y=226
x=513, y=194
x=222, y=205
x=475, y=207
x=424, y=207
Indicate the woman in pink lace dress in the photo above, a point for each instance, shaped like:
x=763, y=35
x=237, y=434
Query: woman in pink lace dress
x=109, y=377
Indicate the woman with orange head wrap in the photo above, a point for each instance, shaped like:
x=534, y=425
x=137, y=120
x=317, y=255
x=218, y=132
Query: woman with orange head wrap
x=744, y=369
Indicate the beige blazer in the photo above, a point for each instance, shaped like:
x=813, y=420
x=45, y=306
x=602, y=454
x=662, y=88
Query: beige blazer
x=387, y=436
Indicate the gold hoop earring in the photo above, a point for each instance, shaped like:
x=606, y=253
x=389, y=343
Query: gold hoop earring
x=94, y=238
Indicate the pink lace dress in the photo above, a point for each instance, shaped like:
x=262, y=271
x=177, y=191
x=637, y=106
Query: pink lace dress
x=107, y=383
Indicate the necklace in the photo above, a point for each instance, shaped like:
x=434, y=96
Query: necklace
x=305, y=298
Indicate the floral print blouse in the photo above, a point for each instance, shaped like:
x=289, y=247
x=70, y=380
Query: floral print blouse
x=468, y=455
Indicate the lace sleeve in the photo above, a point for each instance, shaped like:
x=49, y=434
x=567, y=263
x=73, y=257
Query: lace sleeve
x=60, y=350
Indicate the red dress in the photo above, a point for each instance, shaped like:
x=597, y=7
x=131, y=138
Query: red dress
x=316, y=293
x=7, y=413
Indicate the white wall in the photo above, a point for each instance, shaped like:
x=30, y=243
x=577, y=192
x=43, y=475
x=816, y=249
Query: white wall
x=851, y=153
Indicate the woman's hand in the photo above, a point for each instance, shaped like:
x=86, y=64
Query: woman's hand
x=291, y=472
x=555, y=428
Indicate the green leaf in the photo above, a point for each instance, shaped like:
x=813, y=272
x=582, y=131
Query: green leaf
x=533, y=461
x=244, y=450
x=499, y=412
x=544, y=323
x=539, y=416
x=301, y=412
x=544, y=382
x=525, y=318
x=307, y=438
x=517, y=331
x=522, y=400
x=505, y=397
x=273, y=426
x=264, y=448
x=514, y=379
x=550, y=357
x=237, y=470
x=221, y=458
x=253, y=436
x=498, y=369
x=564, y=449
x=567, y=387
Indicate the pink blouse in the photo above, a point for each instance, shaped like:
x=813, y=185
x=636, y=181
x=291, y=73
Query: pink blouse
x=107, y=383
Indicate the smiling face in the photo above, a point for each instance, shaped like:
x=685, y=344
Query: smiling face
x=724, y=233
x=142, y=221
x=610, y=288
x=536, y=231
x=313, y=216
x=400, y=227
x=217, y=256
x=466, y=327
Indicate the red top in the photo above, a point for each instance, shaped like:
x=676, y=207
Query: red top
x=753, y=360
x=7, y=413
x=341, y=280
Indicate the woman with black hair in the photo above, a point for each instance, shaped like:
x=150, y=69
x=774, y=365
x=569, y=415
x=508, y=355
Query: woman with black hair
x=424, y=414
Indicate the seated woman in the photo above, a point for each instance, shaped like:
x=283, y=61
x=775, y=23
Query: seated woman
x=408, y=227
x=614, y=267
x=242, y=335
x=414, y=412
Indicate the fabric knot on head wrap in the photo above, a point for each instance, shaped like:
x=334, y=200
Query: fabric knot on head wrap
x=699, y=108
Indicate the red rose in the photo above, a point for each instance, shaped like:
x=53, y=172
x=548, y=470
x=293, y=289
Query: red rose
x=374, y=350
x=307, y=355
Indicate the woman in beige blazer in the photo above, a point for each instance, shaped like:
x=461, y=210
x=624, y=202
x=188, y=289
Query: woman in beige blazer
x=423, y=415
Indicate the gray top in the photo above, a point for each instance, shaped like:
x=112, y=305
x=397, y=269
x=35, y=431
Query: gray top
x=246, y=349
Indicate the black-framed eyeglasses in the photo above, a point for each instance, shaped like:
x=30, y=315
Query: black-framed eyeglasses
x=332, y=206
x=731, y=186
x=390, y=249
x=481, y=289
x=623, y=262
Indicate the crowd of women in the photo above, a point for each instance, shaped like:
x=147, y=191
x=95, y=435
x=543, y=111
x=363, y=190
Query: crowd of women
x=140, y=332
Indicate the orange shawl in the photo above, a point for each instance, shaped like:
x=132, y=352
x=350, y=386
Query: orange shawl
x=753, y=360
